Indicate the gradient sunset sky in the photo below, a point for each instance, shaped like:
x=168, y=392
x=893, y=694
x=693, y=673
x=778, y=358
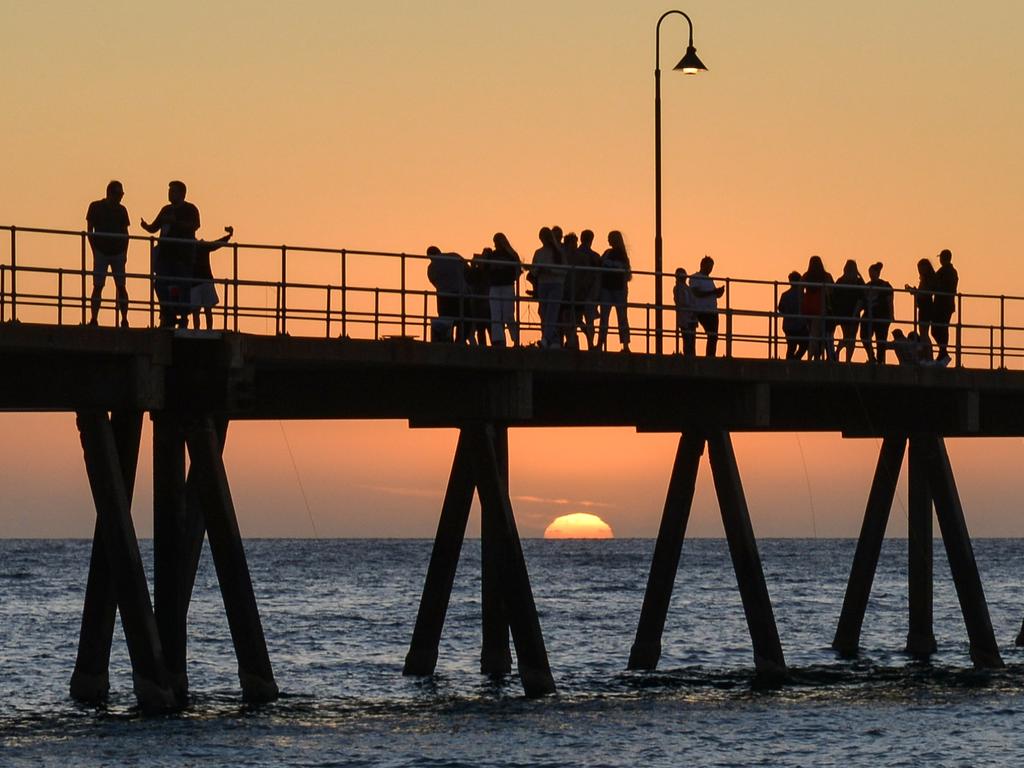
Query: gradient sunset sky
x=872, y=130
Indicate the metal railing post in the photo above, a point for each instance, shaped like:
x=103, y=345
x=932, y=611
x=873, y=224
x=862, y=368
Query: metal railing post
x=83, y=277
x=1002, y=331
x=728, y=317
x=234, y=282
x=152, y=282
x=773, y=344
x=959, y=323
x=991, y=347
x=376, y=313
x=60, y=296
x=402, y=261
x=327, y=331
x=344, y=293
x=14, y=275
x=284, y=290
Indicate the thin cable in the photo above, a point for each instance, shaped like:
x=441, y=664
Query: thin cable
x=298, y=479
x=807, y=479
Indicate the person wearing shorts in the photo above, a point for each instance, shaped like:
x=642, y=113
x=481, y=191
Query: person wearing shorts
x=107, y=223
x=204, y=293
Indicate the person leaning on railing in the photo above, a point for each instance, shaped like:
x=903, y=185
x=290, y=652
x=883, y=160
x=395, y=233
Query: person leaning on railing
x=706, y=296
x=447, y=273
x=615, y=289
x=794, y=324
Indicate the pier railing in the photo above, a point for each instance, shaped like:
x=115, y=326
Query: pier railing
x=46, y=277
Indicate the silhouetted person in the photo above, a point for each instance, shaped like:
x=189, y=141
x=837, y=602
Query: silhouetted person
x=794, y=324
x=847, y=304
x=204, y=293
x=107, y=223
x=877, y=315
x=816, y=307
x=705, y=303
x=907, y=348
x=549, y=277
x=614, y=289
x=504, y=275
x=686, y=318
x=571, y=299
x=588, y=281
x=447, y=273
x=944, y=304
x=479, y=301
x=173, y=261
x=924, y=300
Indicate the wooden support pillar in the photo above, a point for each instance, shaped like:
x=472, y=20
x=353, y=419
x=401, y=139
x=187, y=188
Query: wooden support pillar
x=444, y=559
x=495, y=654
x=869, y=545
x=962, y=565
x=768, y=659
x=90, y=681
x=169, y=563
x=646, y=648
x=105, y=470
x=531, y=655
x=921, y=637
x=254, y=669
x=195, y=520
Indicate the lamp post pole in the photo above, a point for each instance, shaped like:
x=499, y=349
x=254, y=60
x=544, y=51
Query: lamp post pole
x=689, y=65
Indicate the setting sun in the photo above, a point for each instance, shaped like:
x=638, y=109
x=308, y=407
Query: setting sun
x=579, y=525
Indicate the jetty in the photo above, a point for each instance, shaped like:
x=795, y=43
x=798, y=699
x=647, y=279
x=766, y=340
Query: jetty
x=348, y=349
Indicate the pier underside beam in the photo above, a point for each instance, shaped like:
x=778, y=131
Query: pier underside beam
x=962, y=565
x=768, y=658
x=495, y=654
x=90, y=682
x=169, y=597
x=254, y=669
x=869, y=545
x=646, y=648
x=921, y=636
x=103, y=466
x=531, y=655
x=444, y=559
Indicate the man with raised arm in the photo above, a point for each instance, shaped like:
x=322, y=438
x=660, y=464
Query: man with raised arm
x=173, y=261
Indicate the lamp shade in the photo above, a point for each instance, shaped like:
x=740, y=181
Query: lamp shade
x=690, y=64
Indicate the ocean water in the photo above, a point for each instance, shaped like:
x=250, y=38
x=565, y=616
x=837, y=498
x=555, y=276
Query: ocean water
x=338, y=616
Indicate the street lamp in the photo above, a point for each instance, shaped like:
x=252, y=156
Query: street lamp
x=688, y=65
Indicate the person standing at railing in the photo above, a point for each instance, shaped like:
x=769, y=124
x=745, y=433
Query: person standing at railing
x=107, y=223
x=571, y=301
x=549, y=278
x=503, y=276
x=204, y=293
x=817, y=306
x=847, y=304
x=924, y=302
x=615, y=289
x=447, y=273
x=794, y=324
x=478, y=302
x=946, y=283
x=706, y=296
x=686, y=320
x=174, y=260
x=588, y=284
x=877, y=316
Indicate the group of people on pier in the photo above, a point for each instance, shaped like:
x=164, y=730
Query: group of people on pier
x=575, y=291
x=815, y=306
x=182, y=277
x=575, y=288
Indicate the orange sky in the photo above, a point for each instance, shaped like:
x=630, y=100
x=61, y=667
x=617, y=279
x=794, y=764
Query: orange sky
x=876, y=130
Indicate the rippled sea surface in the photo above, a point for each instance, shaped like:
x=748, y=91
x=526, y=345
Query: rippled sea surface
x=338, y=616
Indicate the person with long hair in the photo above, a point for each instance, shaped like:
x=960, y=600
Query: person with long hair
x=816, y=306
x=847, y=304
x=874, y=330
x=924, y=303
x=504, y=275
x=614, y=289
